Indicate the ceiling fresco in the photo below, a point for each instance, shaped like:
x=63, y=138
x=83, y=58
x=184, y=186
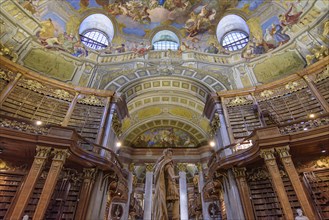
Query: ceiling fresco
x=165, y=137
x=195, y=22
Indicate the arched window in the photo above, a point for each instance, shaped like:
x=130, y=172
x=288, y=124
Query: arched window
x=233, y=32
x=96, y=31
x=164, y=40
x=235, y=40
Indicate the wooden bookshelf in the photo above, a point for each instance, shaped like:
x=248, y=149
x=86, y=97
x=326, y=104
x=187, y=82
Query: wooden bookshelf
x=243, y=120
x=86, y=120
x=317, y=183
x=290, y=107
x=9, y=184
x=265, y=202
x=34, y=199
x=323, y=87
x=27, y=104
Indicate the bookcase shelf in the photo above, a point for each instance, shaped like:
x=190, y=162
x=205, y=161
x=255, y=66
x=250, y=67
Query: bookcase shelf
x=9, y=184
x=317, y=183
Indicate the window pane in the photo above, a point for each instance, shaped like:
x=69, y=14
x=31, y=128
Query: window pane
x=235, y=40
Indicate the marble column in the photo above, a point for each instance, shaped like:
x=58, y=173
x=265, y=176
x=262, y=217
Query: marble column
x=98, y=200
x=101, y=130
x=130, y=189
x=84, y=197
x=105, y=142
x=183, y=200
x=205, y=205
x=295, y=181
x=8, y=88
x=268, y=155
x=228, y=124
x=60, y=156
x=240, y=175
x=148, y=192
x=69, y=112
x=234, y=209
x=29, y=184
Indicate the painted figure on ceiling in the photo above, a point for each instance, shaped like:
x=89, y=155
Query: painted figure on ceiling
x=48, y=29
x=199, y=23
x=289, y=19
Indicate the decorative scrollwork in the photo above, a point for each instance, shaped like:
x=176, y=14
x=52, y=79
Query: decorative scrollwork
x=92, y=100
x=116, y=124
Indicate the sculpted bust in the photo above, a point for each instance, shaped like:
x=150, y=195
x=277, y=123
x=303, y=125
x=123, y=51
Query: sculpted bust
x=300, y=215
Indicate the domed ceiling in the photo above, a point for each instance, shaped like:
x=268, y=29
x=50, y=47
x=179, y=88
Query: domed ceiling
x=166, y=92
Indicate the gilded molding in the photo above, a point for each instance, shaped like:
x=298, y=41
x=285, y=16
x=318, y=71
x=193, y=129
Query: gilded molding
x=92, y=100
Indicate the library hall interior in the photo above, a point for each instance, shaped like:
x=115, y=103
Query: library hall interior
x=164, y=109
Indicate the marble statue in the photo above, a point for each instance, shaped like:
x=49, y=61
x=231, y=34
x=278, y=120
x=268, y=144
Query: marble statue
x=166, y=191
x=300, y=215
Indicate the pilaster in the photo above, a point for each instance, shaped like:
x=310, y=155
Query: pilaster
x=48, y=189
x=294, y=178
x=240, y=176
x=268, y=155
x=29, y=184
x=87, y=185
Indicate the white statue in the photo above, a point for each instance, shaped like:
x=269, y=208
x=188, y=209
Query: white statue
x=300, y=215
x=25, y=217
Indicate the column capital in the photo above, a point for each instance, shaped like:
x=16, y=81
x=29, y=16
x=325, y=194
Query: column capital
x=89, y=173
x=60, y=154
x=199, y=166
x=182, y=167
x=239, y=171
x=131, y=167
x=283, y=151
x=267, y=154
x=42, y=152
x=149, y=167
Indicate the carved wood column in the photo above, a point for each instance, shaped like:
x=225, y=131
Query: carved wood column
x=29, y=184
x=70, y=110
x=52, y=177
x=87, y=185
x=294, y=178
x=228, y=124
x=310, y=83
x=268, y=155
x=240, y=176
